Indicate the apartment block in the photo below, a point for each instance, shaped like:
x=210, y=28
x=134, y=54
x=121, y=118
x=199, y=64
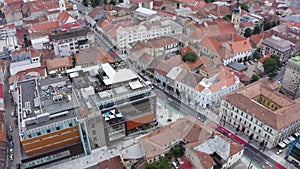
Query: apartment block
x=261, y=111
x=291, y=78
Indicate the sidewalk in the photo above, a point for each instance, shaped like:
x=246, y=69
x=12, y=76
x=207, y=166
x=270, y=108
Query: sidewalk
x=271, y=153
x=249, y=163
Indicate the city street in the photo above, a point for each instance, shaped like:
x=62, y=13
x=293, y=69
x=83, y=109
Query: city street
x=12, y=121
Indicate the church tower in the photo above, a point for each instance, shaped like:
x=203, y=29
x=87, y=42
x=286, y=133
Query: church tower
x=236, y=16
x=62, y=5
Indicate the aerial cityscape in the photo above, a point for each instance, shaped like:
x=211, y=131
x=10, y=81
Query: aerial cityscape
x=150, y=84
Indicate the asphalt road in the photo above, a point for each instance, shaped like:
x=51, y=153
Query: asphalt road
x=12, y=121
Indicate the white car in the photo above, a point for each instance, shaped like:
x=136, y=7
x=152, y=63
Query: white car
x=11, y=157
x=279, y=151
x=11, y=150
x=12, y=114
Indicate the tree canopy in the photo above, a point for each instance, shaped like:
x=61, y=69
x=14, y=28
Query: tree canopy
x=248, y=32
x=256, y=30
x=189, y=57
x=271, y=64
x=254, y=78
x=163, y=163
x=85, y=3
x=270, y=24
x=178, y=151
x=244, y=7
x=256, y=54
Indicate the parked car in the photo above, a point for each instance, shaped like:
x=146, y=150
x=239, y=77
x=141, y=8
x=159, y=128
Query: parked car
x=11, y=129
x=18, y=166
x=11, y=150
x=12, y=114
x=9, y=138
x=279, y=151
x=11, y=157
x=11, y=144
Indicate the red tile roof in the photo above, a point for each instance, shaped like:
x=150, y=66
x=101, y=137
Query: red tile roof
x=64, y=16
x=184, y=163
x=43, y=6
x=111, y=163
x=205, y=159
x=44, y=26
x=241, y=46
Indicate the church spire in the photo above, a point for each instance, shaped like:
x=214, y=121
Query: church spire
x=237, y=8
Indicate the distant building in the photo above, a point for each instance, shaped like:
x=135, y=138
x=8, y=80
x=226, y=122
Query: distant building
x=291, y=79
x=72, y=42
x=260, y=110
x=121, y=32
x=277, y=46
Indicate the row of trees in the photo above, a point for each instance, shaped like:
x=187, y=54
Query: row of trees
x=257, y=29
x=249, y=32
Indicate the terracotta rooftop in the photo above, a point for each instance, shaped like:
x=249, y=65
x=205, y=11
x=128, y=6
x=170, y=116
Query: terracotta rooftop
x=37, y=6
x=187, y=128
x=241, y=46
x=282, y=117
x=64, y=17
x=205, y=159
x=44, y=26
x=113, y=163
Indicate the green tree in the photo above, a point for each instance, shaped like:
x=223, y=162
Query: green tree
x=227, y=17
x=248, y=32
x=177, y=151
x=112, y=2
x=270, y=24
x=271, y=64
x=244, y=7
x=254, y=78
x=189, y=57
x=85, y=2
x=105, y=2
x=163, y=163
x=209, y=1
x=256, y=54
x=256, y=30
x=143, y=71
